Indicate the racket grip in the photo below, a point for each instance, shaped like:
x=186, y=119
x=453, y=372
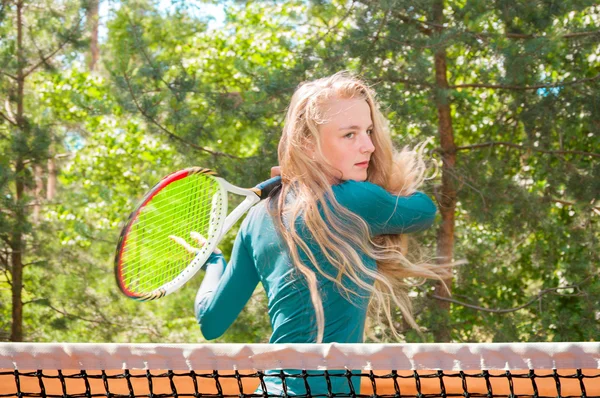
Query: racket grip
x=264, y=188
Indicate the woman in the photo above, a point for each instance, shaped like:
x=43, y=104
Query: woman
x=327, y=245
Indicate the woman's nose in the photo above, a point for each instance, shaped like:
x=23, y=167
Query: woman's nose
x=367, y=144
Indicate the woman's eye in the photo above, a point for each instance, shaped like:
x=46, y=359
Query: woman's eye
x=349, y=135
x=369, y=132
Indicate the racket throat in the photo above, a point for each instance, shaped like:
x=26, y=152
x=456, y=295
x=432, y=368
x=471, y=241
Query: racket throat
x=237, y=213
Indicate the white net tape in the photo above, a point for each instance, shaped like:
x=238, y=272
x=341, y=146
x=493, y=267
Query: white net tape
x=488, y=356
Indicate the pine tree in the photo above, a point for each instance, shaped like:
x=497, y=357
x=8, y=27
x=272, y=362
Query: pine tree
x=36, y=35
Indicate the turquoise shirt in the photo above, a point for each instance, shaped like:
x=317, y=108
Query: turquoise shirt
x=259, y=255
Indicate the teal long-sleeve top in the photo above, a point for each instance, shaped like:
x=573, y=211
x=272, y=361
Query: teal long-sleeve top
x=259, y=255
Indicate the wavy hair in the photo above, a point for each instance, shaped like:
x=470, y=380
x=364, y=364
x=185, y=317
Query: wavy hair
x=341, y=235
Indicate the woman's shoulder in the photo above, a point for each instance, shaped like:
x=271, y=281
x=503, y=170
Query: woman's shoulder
x=351, y=187
x=360, y=196
x=384, y=211
x=358, y=191
x=353, y=191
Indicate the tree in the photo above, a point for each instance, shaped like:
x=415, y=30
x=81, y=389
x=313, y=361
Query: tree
x=107, y=160
x=467, y=74
x=508, y=87
x=35, y=34
x=93, y=8
x=507, y=92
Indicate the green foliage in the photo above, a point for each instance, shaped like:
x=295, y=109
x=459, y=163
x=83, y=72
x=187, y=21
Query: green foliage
x=525, y=220
x=172, y=93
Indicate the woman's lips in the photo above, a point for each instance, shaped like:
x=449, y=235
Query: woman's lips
x=364, y=164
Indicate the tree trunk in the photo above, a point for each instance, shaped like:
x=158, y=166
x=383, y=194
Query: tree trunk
x=92, y=22
x=37, y=193
x=51, y=183
x=17, y=257
x=447, y=193
x=20, y=219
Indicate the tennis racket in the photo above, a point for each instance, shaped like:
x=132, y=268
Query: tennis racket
x=150, y=261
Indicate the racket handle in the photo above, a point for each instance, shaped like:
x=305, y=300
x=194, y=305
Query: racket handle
x=263, y=189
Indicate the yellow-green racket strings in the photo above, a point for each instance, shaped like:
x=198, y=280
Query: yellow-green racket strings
x=150, y=258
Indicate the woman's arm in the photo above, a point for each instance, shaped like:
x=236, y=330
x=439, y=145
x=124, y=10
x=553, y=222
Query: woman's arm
x=225, y=289
x=384, y=212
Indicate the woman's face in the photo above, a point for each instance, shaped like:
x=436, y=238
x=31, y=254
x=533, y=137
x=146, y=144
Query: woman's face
x=346, y=137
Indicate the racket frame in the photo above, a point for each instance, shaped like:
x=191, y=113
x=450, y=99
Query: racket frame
x=217, y=230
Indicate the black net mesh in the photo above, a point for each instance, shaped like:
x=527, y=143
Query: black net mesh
x=421, y=384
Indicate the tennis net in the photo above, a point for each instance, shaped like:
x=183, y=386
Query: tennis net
x=539, y=370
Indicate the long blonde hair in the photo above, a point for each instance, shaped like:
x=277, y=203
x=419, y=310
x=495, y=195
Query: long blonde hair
x=340, y=234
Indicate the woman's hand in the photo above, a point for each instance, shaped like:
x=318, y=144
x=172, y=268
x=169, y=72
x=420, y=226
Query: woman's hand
x=191, y=249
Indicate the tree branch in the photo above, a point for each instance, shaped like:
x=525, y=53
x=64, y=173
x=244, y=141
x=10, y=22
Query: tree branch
x=6, y=240
x=381, y=25
x=428, y=28
x=568, y=203
x=421, y=25
x=46, y=302
x=4, y=261
x=542, y=293
x=423, y=29
x=88, y=236
x=34, y=263
x=462, y=179
x=522, y=148
x=44, y=59
x=532, y=36
x=7, y=119
x=169, y=133
x=141, y=46
x=318, y=40
x=523, y=88
x=7, y=275
x=57, y=156
x=104, y=320
x=9, y=114
x=508, y=35
x=580, y=34
x=9, y=75
x=406, y=81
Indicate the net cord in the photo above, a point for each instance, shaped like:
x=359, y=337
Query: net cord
x=487, y=356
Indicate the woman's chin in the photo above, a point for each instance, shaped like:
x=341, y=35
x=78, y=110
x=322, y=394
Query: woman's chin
x=357, y=177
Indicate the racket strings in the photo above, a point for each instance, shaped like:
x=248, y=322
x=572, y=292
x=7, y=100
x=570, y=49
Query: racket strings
x=198, y=215
x=167, y=198
x=174, y=258
x=150, y=257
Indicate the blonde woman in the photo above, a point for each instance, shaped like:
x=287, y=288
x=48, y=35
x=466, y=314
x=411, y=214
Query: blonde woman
x=327, y=245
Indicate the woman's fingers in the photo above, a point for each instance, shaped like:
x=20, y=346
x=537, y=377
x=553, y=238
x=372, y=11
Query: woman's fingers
x=191, y=249
x=198, y=238
x=202, y=241
x=181, y=242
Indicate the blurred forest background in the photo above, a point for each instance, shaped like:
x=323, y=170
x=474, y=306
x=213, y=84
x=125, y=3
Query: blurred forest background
x=99, y=99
